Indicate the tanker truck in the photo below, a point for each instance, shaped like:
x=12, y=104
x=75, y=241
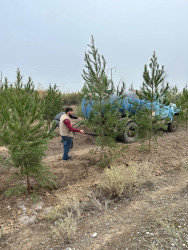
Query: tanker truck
x=132, y=104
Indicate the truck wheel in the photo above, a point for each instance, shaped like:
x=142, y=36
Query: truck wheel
x=172, y=126
x=130, y=133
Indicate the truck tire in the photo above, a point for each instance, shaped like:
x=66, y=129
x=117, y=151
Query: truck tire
x=130, y=133
x=172, y=126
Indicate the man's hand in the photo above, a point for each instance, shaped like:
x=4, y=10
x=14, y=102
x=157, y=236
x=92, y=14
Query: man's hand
x=82, y=132
x=79, y=118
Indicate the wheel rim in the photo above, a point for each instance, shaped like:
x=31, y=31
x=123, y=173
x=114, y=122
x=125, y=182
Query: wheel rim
x=131, y=133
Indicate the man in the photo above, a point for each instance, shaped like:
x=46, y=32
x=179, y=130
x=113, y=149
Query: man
x=56, y=120
x=66, y=132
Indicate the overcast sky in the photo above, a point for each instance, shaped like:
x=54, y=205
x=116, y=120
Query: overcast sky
x=47, y=39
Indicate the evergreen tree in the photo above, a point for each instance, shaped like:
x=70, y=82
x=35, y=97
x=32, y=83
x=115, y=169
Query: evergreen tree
x=183, y=104
x=4, y=95
x=52, y=104
x=98, y=92
x=23, y=132
x=172, y=95
x=131, y=88
x=153, y=88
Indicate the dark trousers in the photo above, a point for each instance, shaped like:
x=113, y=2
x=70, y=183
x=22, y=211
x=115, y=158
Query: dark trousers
x=67, y=143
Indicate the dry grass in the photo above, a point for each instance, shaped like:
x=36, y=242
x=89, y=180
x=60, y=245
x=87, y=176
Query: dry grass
x=95, y=203
x=66, y=227
x=73, y=98
x=119, y=180
x=66, y=205
x=65, y=217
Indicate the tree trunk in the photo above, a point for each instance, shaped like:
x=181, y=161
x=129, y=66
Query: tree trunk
x=149, y=144
x=28, y=184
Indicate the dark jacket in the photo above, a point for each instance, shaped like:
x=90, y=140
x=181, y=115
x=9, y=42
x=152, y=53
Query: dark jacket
x=58, y=116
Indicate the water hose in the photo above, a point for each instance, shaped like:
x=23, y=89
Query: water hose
x=76, y=125
x=88, y=133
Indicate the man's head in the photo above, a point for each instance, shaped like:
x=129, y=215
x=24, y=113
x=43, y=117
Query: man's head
x=69, y=111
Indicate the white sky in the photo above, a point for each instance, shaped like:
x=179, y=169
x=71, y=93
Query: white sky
x=47, y=39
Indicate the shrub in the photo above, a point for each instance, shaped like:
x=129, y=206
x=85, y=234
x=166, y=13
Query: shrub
x=96, y=202
x=70, y=204
x=65, y=217
x=66, y=227
x=73, y=98
x=119, y=180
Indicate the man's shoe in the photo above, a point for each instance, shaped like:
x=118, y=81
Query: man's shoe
x=66, y=160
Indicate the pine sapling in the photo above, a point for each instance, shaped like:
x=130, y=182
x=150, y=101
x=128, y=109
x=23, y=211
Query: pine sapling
x=23, y=132
x=52, y=104
x=183, y=104
x=153, y=88
x=98, y=92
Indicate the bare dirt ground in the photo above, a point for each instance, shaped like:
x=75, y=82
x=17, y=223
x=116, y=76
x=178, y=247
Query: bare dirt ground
x=156, y=217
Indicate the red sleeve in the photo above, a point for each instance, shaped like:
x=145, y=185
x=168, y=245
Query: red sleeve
x=69, y=126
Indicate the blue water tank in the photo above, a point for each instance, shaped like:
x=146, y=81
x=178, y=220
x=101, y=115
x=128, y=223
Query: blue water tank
x=127, y=104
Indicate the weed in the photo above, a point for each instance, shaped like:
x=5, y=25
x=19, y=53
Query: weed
x=109, y=155
x=114, y=181
x=143, y=147
x=34, y=198
x=15, y=191
x=70, y=204
x=96, y=203
x=66, y=227
x=119, y=180
x=65, y=217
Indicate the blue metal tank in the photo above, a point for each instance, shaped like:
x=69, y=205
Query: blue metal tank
x=127, y=104
x=131, y=104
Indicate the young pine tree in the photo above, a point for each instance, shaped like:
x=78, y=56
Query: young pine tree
x=23, y=132
x=152, y=89
x=98, y=92
x=131, y=88
x=4, y=95
x=52, y=104
x=183, y=104
x=172, y=95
